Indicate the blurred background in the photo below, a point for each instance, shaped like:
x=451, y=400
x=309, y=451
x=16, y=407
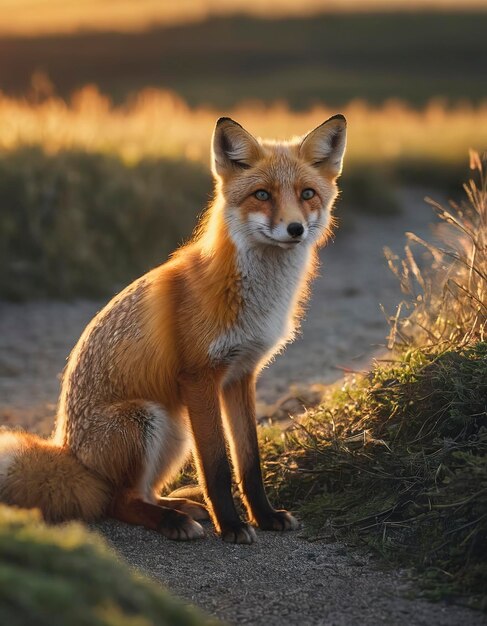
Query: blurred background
x=106, y=115
x=107, y=109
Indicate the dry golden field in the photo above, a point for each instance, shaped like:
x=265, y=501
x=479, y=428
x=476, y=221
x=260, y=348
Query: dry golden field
x=160, y=124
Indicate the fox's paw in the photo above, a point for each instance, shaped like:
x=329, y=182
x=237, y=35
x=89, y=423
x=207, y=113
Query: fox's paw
x=239, y=533
x=279, y=520
x=180, y=527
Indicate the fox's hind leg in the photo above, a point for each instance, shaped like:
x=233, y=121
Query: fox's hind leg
x=129, y=507
x=138, y=446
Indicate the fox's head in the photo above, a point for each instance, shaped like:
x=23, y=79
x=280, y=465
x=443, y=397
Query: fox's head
x=278, y=193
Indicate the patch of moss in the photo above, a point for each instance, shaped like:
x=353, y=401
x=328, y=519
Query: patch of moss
x=55, y=576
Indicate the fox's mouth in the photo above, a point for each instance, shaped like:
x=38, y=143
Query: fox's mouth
x=280, y=242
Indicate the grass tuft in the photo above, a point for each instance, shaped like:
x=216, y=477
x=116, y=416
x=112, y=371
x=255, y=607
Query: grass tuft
x=397, y=460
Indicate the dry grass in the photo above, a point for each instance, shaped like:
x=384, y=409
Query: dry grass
x=447, y=286
x=159, y=123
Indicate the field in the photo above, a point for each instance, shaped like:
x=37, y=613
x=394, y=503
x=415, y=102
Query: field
x=29, y=17
x=160, y=124
x=220, y=62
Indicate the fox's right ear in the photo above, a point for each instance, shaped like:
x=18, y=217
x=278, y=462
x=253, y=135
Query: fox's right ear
x=324, y=146
x=233, y=148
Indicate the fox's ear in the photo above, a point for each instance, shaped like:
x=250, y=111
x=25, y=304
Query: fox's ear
x=233, y=148
x=324, y=146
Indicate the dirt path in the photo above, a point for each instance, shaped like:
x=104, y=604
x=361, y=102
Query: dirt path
x=283, y=579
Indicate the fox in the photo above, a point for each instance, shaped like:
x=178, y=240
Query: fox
x=169, y=366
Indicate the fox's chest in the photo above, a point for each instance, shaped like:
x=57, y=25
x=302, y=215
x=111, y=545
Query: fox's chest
x=265, y=322
x=253, y=340
x=256, y=332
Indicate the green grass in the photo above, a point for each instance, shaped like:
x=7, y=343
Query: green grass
x=79, y=224
x=221, y=61
x=53, y=576
x=398, y=461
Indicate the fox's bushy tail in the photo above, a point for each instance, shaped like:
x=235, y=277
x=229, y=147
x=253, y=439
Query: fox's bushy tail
x=37, y=473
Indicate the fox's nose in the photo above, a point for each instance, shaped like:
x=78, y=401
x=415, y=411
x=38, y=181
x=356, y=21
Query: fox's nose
x=295, y=229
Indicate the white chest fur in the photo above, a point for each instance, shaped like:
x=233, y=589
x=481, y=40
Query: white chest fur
x=270, y=282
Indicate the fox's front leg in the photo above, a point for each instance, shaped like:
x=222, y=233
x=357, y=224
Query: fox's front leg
x=239, y=403
x=202, y=400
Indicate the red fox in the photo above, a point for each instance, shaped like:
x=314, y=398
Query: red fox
x=169, y=365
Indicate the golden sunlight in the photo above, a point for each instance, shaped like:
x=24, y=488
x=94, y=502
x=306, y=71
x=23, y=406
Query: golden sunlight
x=160, y=123
x=29, y=17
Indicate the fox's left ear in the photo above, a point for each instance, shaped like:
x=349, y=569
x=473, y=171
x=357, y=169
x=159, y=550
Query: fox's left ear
x=233, y=148
x=324, y=146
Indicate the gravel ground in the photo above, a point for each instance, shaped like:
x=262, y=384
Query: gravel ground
x=283, y=579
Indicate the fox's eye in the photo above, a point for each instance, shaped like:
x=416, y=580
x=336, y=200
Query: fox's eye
x=307, y=194
x=263, y=195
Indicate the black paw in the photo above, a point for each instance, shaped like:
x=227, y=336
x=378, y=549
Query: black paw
x=279, y=520
x=180, y=527
x=238, y=533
